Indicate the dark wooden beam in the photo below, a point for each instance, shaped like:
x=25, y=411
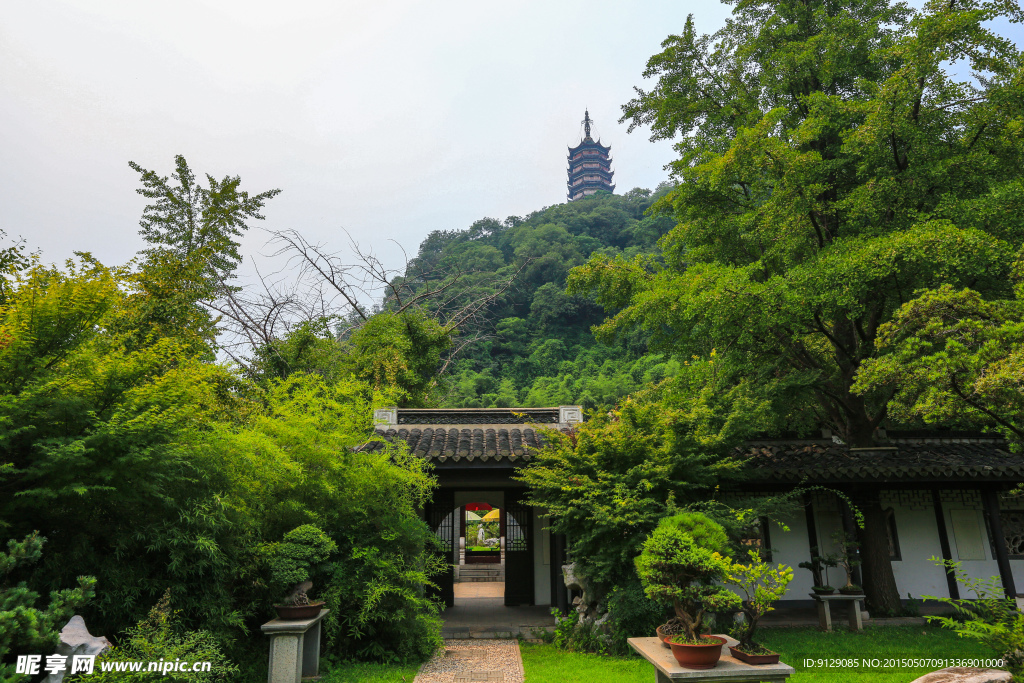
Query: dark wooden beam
x=812, y=536
x=995, y=523
x=947, y=553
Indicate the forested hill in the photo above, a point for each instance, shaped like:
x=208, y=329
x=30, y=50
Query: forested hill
x=538, y=348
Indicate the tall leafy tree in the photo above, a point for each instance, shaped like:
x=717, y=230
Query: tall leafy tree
x=190, y=220
x=830, y=165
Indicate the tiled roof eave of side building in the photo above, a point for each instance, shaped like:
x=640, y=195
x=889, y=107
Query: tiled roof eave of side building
x=921, y=460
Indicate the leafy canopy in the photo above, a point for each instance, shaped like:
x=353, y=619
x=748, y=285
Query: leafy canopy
x=188, y=219
x=830, y=165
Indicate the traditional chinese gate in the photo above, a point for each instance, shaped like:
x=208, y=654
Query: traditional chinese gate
x=441, y=514
x=518, y=550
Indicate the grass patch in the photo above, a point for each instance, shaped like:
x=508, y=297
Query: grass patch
x=546, y=664
x=363, y=672
x=795, y=644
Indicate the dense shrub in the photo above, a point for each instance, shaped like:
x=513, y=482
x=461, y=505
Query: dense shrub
x=160, y=638
x=154, y=468
x=633, y=614
x=25, y=628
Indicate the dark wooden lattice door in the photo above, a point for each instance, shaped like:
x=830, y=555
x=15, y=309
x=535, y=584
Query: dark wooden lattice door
x=441, y=516
x=518, y=550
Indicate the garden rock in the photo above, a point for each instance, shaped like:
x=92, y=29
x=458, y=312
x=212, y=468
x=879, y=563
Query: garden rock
x=75, y=639
x=964, y=674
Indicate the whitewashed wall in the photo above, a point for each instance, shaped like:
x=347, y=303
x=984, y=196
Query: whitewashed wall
x=918, y=538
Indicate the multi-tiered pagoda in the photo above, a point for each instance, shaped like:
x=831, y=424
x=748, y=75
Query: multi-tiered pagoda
x=589, y=165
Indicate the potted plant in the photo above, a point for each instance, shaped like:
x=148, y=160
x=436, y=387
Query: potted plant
x=761, y=585
x=817, y=563
x=679, y=564
x=847, y=559
x=292, y=562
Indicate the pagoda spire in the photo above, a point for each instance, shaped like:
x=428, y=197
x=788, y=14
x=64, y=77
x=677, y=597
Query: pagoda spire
x=589, y=165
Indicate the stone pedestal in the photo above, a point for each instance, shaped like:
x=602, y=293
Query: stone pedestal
x=852, y=603
x=728, y=670
x=294, y=648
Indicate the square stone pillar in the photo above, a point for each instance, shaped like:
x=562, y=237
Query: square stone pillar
x=294, y=648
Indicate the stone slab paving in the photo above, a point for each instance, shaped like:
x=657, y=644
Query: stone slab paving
x=472, y=661
x=480, y=589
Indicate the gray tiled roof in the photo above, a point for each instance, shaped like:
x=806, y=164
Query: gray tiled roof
x=486, y=442
x=905, y=460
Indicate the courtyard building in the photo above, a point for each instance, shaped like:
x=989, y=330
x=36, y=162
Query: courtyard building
x=943, y=495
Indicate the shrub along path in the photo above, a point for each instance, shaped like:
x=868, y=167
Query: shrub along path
x=469, y=661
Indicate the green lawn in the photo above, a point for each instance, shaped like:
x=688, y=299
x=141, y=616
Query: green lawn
x=546, y=664
x=371, y=673
x=795, y=644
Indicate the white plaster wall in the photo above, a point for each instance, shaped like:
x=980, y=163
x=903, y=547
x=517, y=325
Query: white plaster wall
x=918, y=540
x=541, y=569
x=791, y=548
x=981, y=569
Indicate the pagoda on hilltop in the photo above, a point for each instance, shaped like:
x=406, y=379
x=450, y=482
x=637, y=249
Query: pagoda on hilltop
x=589, y=165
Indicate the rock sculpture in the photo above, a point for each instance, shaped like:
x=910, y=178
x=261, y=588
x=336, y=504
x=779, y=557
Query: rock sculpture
x=75, y=639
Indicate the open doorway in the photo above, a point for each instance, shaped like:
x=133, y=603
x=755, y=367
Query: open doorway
x=480, y=573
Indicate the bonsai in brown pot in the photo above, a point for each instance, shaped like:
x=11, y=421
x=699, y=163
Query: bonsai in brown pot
x=679, y=564
x=761, y=584
x=292, y=562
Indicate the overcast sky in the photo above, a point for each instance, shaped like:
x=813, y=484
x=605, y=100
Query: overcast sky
x=389, y=119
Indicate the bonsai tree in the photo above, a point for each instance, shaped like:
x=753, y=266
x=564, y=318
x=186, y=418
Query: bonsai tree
x=295, y=560
x=815, y=566
x=679, y=564
x=761, y=584
x=847, y=558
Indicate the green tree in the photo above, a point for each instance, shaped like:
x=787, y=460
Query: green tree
x=829, y=166
x=607, y=484
x=951, y=357
x=24, y=628
x=190, y=220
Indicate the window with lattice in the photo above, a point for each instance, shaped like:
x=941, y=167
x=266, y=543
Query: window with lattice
x=1013, y=532
x=756, y=537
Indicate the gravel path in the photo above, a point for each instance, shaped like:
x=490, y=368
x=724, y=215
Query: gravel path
x=470, y=661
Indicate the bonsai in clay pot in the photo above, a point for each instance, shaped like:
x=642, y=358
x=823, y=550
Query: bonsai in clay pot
x=761, y=584
x=679, y=564
x=292, y=562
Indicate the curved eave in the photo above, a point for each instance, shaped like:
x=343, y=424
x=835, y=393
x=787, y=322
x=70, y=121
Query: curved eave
x=573, y=175
x=589, y=145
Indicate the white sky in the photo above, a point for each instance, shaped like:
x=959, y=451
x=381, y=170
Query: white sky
x=390, y=119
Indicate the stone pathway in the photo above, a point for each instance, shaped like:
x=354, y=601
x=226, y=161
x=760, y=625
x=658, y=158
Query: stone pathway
x=470, y=661
x=480, y=612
